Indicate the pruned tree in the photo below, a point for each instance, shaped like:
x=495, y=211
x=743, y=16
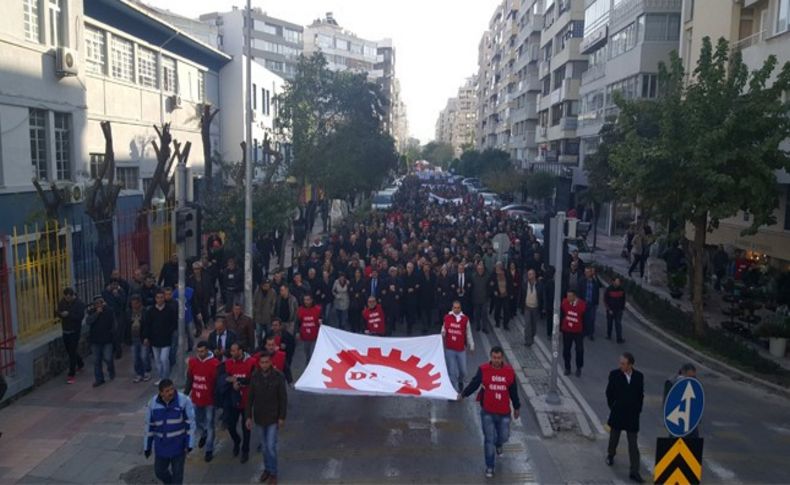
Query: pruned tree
x=100, y=203
x=164, y=161
x=207, y=115
x=52, y=204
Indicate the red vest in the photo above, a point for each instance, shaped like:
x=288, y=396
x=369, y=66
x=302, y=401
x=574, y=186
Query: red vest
x=573, y=316
x=496, y=385
x=455, y=332
x=204, y=378
x=278, y=360
x=241, y=369
x=311, y=319
x=374, y=320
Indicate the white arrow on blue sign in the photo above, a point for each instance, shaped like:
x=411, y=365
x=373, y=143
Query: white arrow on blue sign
x=683, y=407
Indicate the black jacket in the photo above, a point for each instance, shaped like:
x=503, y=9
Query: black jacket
x=287, y=344
x=168, y=275
x=73, y=321
x=101, y=325
x=596, y=291
x=229, y=340
x=614, y=298
x=159, y=325
x=625, y=400
x=427, y=292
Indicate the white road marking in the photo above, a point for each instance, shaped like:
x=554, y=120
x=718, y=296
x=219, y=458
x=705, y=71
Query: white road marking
x=332, y=469
x=719, y=470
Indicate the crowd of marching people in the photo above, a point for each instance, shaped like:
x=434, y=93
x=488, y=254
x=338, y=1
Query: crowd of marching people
x=426, y=266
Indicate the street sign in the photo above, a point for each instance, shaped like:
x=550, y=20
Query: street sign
x=683, y=407
x=678, y=461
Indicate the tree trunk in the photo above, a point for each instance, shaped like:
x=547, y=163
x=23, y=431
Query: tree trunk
x=698, y=252
x=596, y=210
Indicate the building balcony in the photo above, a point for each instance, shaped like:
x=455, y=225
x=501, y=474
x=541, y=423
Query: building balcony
x=593, y=73
x=568, y=123
x=568, y=90
x=541, y=165
x=544, y=69
x=594, y=39
x=626, y=11
x=568, y=159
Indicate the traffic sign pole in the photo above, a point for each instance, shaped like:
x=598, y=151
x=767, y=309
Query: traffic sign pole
x=553, y=396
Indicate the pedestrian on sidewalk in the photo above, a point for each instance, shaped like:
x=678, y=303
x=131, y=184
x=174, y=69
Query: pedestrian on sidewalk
x=140, y=353
x=480, y=298
x=457, y=335
x=238, y=370
x=308, y=321
x=499, y=391
x=500, y=287
x=572, y=311
x=533, y=306
x=170, y=431
x=231, y=281
x=625, y=394
x=71, y=311
x=266, y=409
x=202, y=372
x=101, y=323
x=614, y=300
x=160, y=321
x=591, y=288
x=638, y=251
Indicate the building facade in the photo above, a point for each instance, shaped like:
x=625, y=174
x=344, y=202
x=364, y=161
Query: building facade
x=757, y=28
x=456, y=123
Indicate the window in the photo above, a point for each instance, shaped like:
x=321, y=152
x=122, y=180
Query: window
x=622, y=41
x=201, y=85
x=128, y=177
x=356, y=48
x=783, y=16
x=146, y=68
x=30, y=8
x=661, y=27
x=268, y=102
x=169, y=75
x=370, y=51
x=95, y=56
x=323, y=41
x=274, y=65
x=649, y=85
x=97, y=160
x=56, y=28
x=559, y=77
x=595, y=15
x=38, y=142
x=267, y=28
x=63, y=146
x=122, y=59
x=341, y=44
x=292, y=36
x=254, y=96
x=688, y=10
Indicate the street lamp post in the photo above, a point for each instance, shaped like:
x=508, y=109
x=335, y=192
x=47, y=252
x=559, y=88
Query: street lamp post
x=558, y=240
x=248, y=170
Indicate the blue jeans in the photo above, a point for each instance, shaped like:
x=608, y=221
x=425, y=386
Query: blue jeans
x=342, y=319
x=268, y=437
x=142, y=361
x=162, y=359
x=204, y=422
x=102, y=352
x=456, y=367
x=170, y=470
x=496, y=432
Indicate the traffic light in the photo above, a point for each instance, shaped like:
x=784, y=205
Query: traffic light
x=187, y=230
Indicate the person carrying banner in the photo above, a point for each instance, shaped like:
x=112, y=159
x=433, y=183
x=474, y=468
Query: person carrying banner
x=308, y=319
x=499, y=391
x=457, y=336
x=373, y=316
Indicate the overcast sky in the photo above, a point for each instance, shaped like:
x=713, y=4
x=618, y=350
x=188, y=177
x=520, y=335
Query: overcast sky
x=436, y=40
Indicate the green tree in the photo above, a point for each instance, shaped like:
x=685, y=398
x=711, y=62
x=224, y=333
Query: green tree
x=477, y=164
x=540, y=185
x=335, y=122
x=438, y=153
x=504, y=181
x=600, y=174
x=707, y=148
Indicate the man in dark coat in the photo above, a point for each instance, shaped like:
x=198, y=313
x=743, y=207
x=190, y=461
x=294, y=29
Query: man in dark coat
x=625, y=394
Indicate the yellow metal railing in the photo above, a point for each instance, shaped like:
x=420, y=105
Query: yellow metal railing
x=42, y=269
x=162, y=245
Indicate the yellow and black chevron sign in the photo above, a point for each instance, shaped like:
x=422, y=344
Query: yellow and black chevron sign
x=678, y=461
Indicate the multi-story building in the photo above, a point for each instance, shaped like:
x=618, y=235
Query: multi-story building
x=276, y=43
x=456, y=122
x=625, y=40
x=756, y=28
x=508, y=83
x=345, y=51
x=560, y=72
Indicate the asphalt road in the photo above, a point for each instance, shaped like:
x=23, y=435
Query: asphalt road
x=746, y=429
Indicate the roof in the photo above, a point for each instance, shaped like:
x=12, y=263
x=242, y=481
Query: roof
x=135, y=20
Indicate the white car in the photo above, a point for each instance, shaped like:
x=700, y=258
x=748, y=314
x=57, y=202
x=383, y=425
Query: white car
x=491, y=199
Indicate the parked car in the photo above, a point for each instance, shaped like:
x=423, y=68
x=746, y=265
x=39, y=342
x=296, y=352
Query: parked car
x=490, y=199
x=537, y=230
x=382, y=201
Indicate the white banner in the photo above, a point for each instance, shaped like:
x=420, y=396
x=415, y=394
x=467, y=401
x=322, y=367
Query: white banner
x=352, y=364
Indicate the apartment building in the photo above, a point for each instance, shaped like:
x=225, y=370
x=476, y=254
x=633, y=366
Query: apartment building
x=624, y=41
x=756, y=28
x=345, y=51
x=276, y=43
x=560, y=71
x=455, y=124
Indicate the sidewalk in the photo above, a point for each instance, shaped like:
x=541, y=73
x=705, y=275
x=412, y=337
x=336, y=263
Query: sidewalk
x=608, y=254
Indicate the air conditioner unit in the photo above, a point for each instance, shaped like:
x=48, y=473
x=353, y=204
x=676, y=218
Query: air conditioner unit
x=76, y=193
x=175, y=101
x=66, y=62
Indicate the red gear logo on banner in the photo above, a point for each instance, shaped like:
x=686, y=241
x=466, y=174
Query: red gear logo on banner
x=423, y=380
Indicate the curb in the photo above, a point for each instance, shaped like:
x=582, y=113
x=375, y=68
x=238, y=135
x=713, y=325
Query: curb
x=718, y=366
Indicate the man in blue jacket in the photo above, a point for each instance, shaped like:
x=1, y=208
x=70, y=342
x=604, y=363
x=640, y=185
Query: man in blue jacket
x=170, y=429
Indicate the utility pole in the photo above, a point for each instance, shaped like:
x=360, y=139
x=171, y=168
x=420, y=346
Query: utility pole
x=181, y=201
x=558, y=241
x=248, y=170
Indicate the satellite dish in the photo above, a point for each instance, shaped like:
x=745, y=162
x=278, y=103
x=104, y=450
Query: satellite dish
x=501, y=244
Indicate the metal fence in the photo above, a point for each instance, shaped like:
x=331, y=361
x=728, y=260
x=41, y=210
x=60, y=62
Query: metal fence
x=7, y=338
x=41, y=267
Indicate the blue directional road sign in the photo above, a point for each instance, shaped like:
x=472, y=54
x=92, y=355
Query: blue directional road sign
x=683, y=407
